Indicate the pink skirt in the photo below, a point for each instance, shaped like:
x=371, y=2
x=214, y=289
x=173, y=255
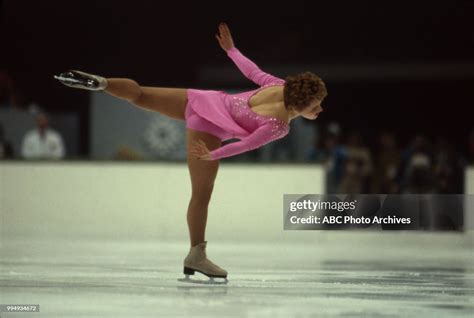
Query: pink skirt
x=199, y=99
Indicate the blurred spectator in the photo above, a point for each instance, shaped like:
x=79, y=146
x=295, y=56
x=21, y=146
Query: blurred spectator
x=448, y=168
x=6, y=88
x=42, y=142
x=334, y=128
x=6, y=149
x=305, y=136
x=415, y=173
x=278, y=150
x=386, y=163
x=332, y=155
x=357, y=166
x=319, y=151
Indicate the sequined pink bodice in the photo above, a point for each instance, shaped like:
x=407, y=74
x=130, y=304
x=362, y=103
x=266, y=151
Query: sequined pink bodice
x=262, y=129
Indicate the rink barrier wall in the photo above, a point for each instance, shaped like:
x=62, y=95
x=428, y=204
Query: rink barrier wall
x=146, y=199
x=469, y=189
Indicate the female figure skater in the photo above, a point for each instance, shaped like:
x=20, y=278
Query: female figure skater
x=255, y=117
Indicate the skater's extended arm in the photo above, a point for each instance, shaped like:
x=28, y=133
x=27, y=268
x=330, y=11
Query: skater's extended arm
x=263, y=135
x=251, y=70
x=245, y=65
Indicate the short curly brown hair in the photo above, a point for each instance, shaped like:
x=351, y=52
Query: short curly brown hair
x=301, y=89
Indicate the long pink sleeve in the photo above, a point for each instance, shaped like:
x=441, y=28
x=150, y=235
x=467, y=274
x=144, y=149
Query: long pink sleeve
x=266, y=133
x=251, y=70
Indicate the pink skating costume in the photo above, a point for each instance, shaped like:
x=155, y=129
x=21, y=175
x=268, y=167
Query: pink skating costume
x=228, y=116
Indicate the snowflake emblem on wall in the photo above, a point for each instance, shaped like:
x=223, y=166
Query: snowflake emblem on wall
x=164, y=136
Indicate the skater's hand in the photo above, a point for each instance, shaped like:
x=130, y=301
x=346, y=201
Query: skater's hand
x=224, y=37
x=200, y=151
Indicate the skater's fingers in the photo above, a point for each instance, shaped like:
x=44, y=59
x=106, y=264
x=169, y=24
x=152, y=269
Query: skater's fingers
x=196, y=155
x=204, y=146
x=195, y=152
x=226, y=29
x=221, y=29
x=221, y=43
x=200, y=147
x=195, y=149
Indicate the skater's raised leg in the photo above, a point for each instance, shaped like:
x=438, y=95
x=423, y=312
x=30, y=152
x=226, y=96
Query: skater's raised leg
x=167, y=101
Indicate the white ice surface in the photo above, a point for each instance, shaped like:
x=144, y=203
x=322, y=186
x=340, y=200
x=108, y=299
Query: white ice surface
x=126, y=278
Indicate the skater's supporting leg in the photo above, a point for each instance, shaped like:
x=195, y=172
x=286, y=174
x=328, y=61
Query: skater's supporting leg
x=203, y=174
x=167, y=101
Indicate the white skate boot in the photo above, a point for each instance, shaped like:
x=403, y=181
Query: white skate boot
x=197, y=261
x=77, y=79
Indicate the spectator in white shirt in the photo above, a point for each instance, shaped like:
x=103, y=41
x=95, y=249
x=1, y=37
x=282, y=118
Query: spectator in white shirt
x=42, y=142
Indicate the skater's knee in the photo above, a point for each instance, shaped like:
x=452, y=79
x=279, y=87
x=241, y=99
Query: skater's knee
x=201, y=197
x=125, y=88
x=137, y=95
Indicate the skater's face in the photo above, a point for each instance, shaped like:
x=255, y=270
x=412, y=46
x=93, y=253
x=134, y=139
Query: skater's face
x=312, y=111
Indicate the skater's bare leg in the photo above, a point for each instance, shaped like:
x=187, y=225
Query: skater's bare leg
x=167, y=101
x=202, y=173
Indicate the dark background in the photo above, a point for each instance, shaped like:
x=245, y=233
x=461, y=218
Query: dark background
x=163, y=43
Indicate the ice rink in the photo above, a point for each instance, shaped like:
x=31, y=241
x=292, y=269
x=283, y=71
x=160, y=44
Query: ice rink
x=341, y=128
x=340, y=275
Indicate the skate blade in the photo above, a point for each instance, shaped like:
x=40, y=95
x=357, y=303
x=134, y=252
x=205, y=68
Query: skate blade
x=66, y=79
x=210, y=281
